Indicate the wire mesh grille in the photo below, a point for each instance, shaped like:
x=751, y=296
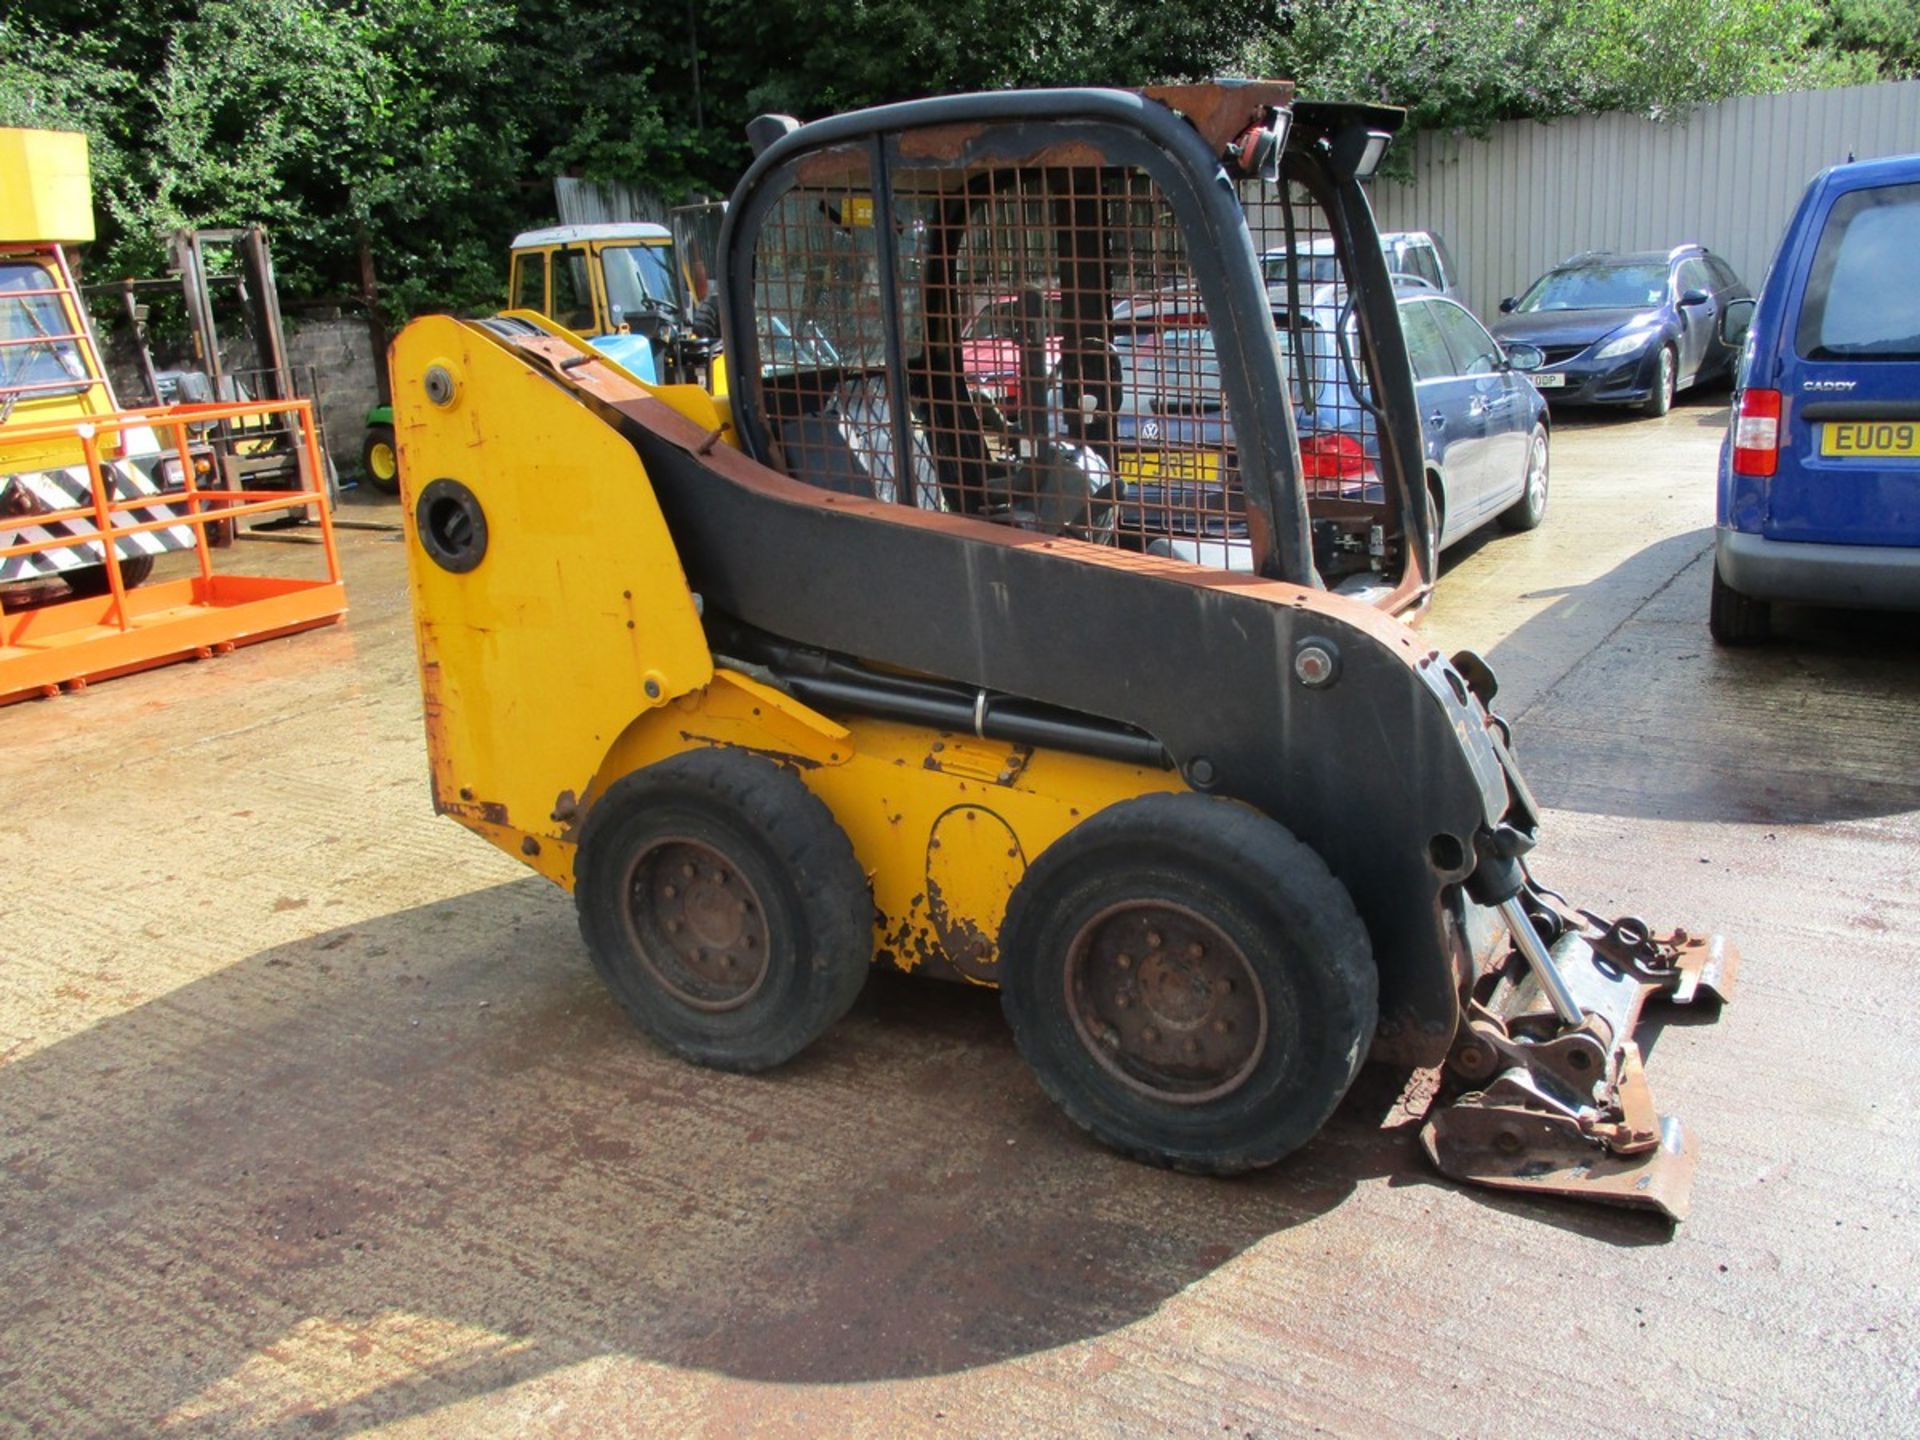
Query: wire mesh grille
x=1054, y=364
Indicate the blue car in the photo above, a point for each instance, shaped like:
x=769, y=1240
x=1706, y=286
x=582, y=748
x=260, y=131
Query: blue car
x=1819, y=497
x=1485, y=430
x=1627, y=329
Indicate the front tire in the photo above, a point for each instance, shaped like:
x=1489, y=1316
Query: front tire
x=1666, y=380
x=1736, y=619
x=1189, y=983
x=380, y=459
x=724, y=908
x=1530, y=509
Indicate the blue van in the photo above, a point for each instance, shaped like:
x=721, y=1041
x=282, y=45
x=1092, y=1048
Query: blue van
x=1820, y=477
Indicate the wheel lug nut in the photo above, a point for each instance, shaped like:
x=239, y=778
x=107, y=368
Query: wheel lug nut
x=1221, y=1027
x=1223, y=987
x=1150, y=1035
x=673, y=927
x=1192, y=1047
x=721, y=876
x=1153, y=940
x=727, y=962
x=686, y=872
x=1121, y=1002
x=669, y=891
x=1123, y=960
x=1196, y=950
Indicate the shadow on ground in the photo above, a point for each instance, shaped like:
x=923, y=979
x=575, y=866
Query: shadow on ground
x=1632, y=710
x=433, y=1134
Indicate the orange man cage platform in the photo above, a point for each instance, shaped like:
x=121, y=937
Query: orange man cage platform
x=47, y=647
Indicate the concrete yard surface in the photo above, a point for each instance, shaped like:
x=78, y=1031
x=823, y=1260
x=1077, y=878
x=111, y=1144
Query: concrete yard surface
x=315, y=1121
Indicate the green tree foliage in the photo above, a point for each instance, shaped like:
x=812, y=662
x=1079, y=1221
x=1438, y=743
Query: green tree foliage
x=416, y=136
x=1470, y=65
x=325, y=123
x=1884, y=34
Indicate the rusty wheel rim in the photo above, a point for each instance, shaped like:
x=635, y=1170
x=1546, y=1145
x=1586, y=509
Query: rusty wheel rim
x=696, y=924
x=1166, y=1002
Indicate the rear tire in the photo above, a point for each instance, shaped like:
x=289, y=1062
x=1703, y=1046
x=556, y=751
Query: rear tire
x=1736, y=619
x=1189, y=983
x=380, y=459
x=90, y=581
x=1666, y=380
x=724, y=908
x=1530, y=509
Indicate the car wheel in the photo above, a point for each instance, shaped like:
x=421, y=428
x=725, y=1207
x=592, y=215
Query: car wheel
x=1736, y=619
x=1530, y=509
x=380, y=460
x=1188, y=982
x=90, y=582
x=724, y=908
x=1666, y=377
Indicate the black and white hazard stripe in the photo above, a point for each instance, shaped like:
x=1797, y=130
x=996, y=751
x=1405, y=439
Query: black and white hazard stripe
x=64, y=488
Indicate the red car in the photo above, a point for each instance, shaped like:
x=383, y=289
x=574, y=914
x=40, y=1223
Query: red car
x=990, y=346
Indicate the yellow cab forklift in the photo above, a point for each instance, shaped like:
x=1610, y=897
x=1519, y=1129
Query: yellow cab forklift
x=52, y=376
x=630, y=287
x=863, y=662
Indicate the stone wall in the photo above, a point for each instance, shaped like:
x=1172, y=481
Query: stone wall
x=345, y=380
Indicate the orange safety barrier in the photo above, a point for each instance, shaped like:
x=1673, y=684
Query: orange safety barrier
x=66, y=644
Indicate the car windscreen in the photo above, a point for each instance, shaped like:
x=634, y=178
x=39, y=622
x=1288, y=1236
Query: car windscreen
x=1318, y=269
x=1597, y=287
x=636, y=273
x=1863, y=291
x=1166, y=372
x=1006, y=320
x=33, y=350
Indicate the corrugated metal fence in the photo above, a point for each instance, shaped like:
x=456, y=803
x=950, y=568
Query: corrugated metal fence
x=586, y=202
x=1727, y=175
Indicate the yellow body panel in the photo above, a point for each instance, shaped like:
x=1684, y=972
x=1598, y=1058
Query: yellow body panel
x=535, y=662
x=534, y=668
x=47, y=187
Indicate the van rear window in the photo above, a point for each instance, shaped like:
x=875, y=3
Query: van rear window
x=1863, y=292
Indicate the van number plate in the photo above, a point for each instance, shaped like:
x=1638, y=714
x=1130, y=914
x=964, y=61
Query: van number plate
x=1871, y=438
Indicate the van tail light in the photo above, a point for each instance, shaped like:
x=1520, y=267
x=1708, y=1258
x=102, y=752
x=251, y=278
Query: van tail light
x=1756, y=433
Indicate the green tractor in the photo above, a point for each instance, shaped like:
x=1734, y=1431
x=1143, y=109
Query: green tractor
x=379, y=461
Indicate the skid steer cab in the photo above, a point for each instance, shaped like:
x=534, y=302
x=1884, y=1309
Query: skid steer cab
x=1085, y=685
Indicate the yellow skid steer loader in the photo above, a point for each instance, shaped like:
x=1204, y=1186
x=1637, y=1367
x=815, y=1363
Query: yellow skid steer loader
x=882, y=656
